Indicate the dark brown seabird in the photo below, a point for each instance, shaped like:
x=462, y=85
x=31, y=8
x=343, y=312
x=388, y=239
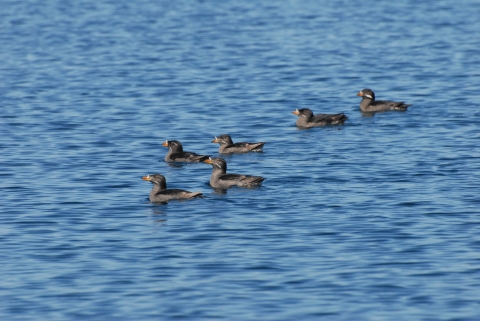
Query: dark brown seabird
x=369, y=104
x=176, y=153
x=220, y=178
x=307, y=119
x=228, y=147
x=160, y=193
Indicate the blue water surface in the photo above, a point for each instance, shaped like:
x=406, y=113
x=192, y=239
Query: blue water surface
x=375, y=220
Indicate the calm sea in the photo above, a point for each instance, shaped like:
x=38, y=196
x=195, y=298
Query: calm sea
x=375, y=220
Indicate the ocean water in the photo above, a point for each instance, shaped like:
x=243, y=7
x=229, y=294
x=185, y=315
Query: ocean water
x=378, y=219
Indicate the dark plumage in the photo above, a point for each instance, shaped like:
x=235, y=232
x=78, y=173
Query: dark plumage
x=369, y=104
x=220, y=178
x=307, y=119
x=176, y=153
x=160, y=193
x=227, y=146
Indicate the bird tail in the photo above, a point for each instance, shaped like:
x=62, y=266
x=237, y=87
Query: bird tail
x=258, y=147
x=340, y=118
x=402, y=106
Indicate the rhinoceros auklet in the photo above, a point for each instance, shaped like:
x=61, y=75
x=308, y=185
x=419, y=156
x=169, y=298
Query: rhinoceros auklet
x=227, y=146
x=220, y=178
x=307, y=119
x=176, y=153
x=369, y=104
x=160, y=193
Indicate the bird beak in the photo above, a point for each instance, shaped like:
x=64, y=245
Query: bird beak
x=146, y=178
x=208, y=161
x=215, y=140
x=165, y=143
x=296, y=112
x=360, y=94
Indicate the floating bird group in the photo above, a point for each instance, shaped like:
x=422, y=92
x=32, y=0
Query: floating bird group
x=220, y=179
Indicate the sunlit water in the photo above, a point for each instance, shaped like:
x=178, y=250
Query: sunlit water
x=375, y=220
